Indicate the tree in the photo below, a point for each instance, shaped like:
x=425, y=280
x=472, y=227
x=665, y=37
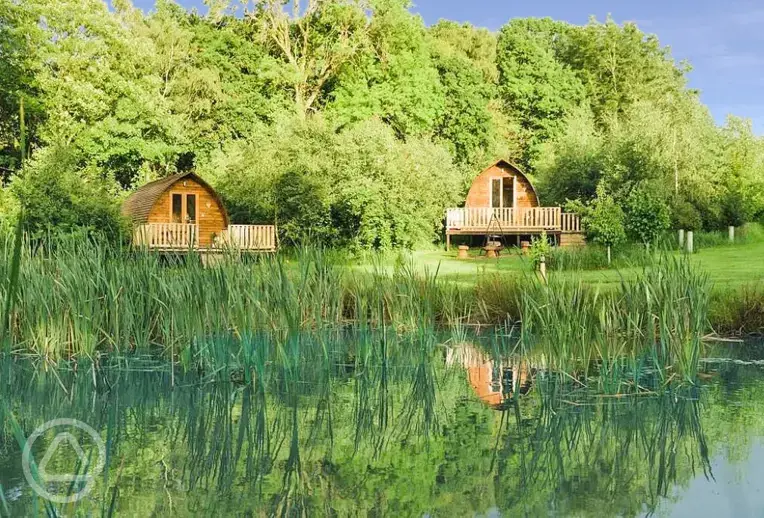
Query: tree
x=647, y=214
x=604, y=222
x=56, y=194
x=361, y=97
x=19, y=65
x=685, y=216
x=571, y=166
x=465, y=123
x=313, y=42
x=395, y=79
x=620, y=65
x=375, y=191
x=742, y=173
x=537, y=89
x=303, y=208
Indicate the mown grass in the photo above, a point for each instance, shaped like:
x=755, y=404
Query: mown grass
x=733, y=264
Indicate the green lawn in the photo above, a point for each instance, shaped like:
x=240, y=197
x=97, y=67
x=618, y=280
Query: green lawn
x=732, y=265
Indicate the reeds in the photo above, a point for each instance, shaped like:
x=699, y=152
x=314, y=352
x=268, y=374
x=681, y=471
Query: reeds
x=738, y=311
x=660, y=317
x=594, y=257
x=83, y=298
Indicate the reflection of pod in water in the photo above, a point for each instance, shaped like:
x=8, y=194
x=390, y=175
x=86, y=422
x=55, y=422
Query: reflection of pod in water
x=493, y=381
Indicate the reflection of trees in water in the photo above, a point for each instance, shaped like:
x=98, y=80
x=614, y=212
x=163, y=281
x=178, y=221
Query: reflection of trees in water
x=382, y=429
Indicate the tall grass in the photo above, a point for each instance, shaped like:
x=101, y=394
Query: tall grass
x=748, y=233
x=80, y=297
x=83, y=298
x=738, y=311
x=12, y=282
x=662, y=317
x=594, y=257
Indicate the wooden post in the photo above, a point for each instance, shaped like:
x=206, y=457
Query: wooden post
x=732, y=233
x=681, y=238
x=690, y=244
x=448, y=241
x=542, y=269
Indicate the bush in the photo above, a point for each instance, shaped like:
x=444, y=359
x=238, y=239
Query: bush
x=647, y=216
x=686, y=216
x=540, y=247
x=363, y=188
x=55, y=192
x=302, y=208
x=603, y=220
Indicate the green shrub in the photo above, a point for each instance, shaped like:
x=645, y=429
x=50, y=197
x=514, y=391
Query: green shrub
x=603, y=220
x=56, y=192
x=540, y=247
x=647, y=215
x=359, y=187
x=686, y=216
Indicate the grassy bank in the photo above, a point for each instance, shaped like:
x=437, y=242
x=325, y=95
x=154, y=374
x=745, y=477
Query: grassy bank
x=728, y=264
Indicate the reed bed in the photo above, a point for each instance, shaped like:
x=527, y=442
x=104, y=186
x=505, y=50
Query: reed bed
x=81, y=297
x=738, y=312
x=85, y=298
x=660, y=317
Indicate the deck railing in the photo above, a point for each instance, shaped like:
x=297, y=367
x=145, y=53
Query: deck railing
x=182, y=236
x=167, y=235
x=250, y=237
x=570, y=222
x=501, y=219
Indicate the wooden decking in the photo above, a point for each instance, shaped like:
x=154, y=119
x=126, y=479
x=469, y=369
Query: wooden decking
x=510, y=221
x=183, y=237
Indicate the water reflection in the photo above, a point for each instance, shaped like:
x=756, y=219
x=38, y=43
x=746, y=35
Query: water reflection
x=384, y=429
x=494, y=380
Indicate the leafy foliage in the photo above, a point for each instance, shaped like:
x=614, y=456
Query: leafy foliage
x=540, y=248
x=646, y=215
x=385, y=118
x=603, y=220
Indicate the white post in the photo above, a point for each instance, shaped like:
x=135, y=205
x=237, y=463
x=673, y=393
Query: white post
x=542, y=268
x=690, y=247
x=681, y=238
x=732, y=233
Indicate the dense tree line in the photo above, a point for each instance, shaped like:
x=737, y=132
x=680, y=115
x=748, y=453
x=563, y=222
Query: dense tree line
x=350, y=120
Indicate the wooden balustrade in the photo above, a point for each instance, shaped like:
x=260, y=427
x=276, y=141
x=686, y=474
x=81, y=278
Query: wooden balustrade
x=182, y=236
x=167, y=236
x=500, y=219
x=570, y=222
x=251, y=237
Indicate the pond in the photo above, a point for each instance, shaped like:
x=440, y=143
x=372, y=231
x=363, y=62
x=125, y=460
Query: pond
x=380, y=429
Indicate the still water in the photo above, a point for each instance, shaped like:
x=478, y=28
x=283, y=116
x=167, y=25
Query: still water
x=450, y=430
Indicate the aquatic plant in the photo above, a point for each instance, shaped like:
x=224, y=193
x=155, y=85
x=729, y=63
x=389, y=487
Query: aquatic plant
x=662, y=315
x=87, y=299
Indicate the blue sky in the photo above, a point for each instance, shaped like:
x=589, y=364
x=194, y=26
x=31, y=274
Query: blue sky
x=724, y=41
